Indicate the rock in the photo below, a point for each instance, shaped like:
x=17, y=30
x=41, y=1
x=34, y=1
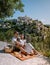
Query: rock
x=7, y=59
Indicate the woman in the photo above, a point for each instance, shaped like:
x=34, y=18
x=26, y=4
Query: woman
x=27, y=46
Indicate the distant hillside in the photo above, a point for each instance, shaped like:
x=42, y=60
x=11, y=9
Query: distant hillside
x=27, y=25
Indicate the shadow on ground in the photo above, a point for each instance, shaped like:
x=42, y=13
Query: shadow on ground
x=2, y=51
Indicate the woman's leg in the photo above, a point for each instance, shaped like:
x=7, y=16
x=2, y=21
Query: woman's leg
x=23, y=51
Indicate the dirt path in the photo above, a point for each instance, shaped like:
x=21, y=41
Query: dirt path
x=7, y=59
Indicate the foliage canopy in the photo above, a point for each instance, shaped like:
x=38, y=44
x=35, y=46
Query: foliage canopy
x=8, y=7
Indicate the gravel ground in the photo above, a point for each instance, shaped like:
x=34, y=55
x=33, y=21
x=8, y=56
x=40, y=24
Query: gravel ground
x=7, y=59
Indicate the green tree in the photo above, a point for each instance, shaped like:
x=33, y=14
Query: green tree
x=8, y=7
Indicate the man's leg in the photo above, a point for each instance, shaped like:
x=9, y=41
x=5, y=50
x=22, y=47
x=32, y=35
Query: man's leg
x=22, y=50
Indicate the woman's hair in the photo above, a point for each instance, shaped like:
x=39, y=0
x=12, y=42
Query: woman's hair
x=16, y=32
x=22, y=34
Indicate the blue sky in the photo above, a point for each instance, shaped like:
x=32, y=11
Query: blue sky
x=36, y=9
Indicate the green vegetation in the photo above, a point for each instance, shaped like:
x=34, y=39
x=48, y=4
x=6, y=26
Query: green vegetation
x=8, y=7
x=6, y=35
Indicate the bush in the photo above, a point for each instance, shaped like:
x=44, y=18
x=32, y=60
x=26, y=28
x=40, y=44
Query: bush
x=6, y=35
x=2, y=37
x=9, y=35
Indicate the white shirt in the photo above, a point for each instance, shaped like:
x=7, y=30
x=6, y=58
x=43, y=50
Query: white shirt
x=14, y=39
x=22, y=42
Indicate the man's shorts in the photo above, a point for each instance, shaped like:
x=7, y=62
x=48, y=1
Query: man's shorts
x=16, y=49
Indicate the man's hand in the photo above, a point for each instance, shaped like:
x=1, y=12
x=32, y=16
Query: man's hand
x=19, y=45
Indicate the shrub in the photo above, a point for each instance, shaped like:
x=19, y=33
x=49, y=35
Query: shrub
x=2, y=37
x=9, y=35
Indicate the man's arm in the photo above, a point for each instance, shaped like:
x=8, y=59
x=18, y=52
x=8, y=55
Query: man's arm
x=18, y=43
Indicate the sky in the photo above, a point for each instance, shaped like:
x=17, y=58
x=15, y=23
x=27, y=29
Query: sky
x=36, y=9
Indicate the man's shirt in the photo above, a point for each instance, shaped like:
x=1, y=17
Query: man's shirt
x=14, y=39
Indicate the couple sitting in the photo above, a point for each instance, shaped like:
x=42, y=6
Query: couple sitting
x=20, y=44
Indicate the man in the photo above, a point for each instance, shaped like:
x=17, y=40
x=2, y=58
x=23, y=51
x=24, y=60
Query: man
x=16, y=44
